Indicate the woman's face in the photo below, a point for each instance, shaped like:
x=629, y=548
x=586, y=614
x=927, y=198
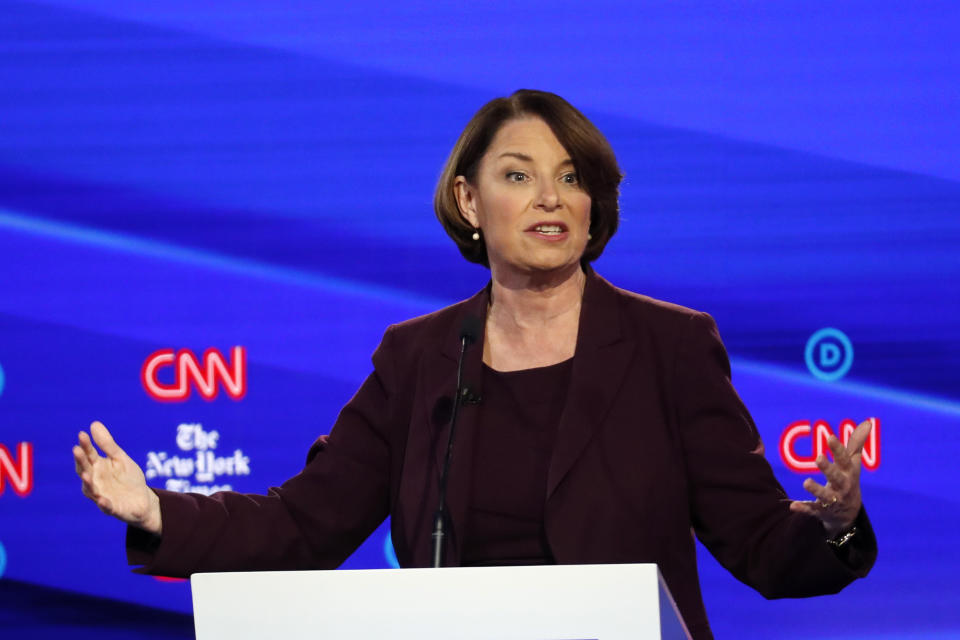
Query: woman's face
x=527, y=201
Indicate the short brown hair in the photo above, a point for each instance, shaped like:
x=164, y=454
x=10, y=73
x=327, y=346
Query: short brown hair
x=592, y=156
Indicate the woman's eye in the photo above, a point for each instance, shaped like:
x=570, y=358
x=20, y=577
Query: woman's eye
x=517, y=176
x=570, y=178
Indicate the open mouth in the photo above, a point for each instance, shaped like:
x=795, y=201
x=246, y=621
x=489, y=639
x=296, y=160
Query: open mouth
x=550, y=229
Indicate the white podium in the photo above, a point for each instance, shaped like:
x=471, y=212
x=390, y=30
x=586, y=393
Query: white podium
x=569, y=602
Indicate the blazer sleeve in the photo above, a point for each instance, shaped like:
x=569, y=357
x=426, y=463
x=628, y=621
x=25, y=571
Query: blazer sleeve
x=738, y=509
x=314, y=520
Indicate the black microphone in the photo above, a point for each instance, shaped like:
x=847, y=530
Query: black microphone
x=469, y=332
x=470, y=328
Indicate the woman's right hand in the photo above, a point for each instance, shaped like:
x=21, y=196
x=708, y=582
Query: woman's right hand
x=115, y=482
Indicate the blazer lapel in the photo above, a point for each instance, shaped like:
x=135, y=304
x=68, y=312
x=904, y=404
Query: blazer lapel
x=599, y=366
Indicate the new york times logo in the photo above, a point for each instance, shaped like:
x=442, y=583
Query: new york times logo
x=202, y=468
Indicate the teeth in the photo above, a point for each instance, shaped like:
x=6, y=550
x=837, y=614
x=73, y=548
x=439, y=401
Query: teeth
x=548, y=228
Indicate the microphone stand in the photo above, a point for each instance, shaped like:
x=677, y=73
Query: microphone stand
x=468, y=334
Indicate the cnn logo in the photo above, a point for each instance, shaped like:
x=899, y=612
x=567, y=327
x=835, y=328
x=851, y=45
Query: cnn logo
x=818, y=433
x=17, y=471
x=206, y=375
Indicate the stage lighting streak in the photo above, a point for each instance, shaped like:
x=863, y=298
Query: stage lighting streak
x=130, y=244
x=848, y=387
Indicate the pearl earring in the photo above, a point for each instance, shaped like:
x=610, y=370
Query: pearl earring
x=589, y=236
x=476, y=235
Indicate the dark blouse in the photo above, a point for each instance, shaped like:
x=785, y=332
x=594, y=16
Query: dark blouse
x=517, y=428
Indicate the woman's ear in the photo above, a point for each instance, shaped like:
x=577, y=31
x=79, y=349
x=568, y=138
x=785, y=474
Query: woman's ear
x=466, y=197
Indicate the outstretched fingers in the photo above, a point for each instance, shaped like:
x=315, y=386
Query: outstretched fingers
x=809, y=507
x=835, y=474
x=86, y=480
x=841, y=457
x=824, y=495
x=86, y=446
x=105, y=441
x=79, y=459
x=86, y=458
x=859, y=436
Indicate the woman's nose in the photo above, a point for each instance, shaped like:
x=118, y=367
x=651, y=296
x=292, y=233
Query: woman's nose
x=548, y=197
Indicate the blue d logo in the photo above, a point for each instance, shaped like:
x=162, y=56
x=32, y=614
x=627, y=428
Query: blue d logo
x=3, y=559
x=829, y=354
x=1, y=381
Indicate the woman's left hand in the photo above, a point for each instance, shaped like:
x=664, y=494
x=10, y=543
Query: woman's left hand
x=837, y=503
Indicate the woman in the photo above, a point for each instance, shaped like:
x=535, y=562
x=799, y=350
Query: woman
x=604, y=427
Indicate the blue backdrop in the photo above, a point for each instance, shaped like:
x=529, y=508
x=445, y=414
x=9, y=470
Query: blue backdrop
x=183, y=176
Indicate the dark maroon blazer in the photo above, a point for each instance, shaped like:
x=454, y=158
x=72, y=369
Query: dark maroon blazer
x=654, y=445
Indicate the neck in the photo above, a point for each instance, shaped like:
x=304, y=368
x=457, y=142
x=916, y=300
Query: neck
x=531, y=300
